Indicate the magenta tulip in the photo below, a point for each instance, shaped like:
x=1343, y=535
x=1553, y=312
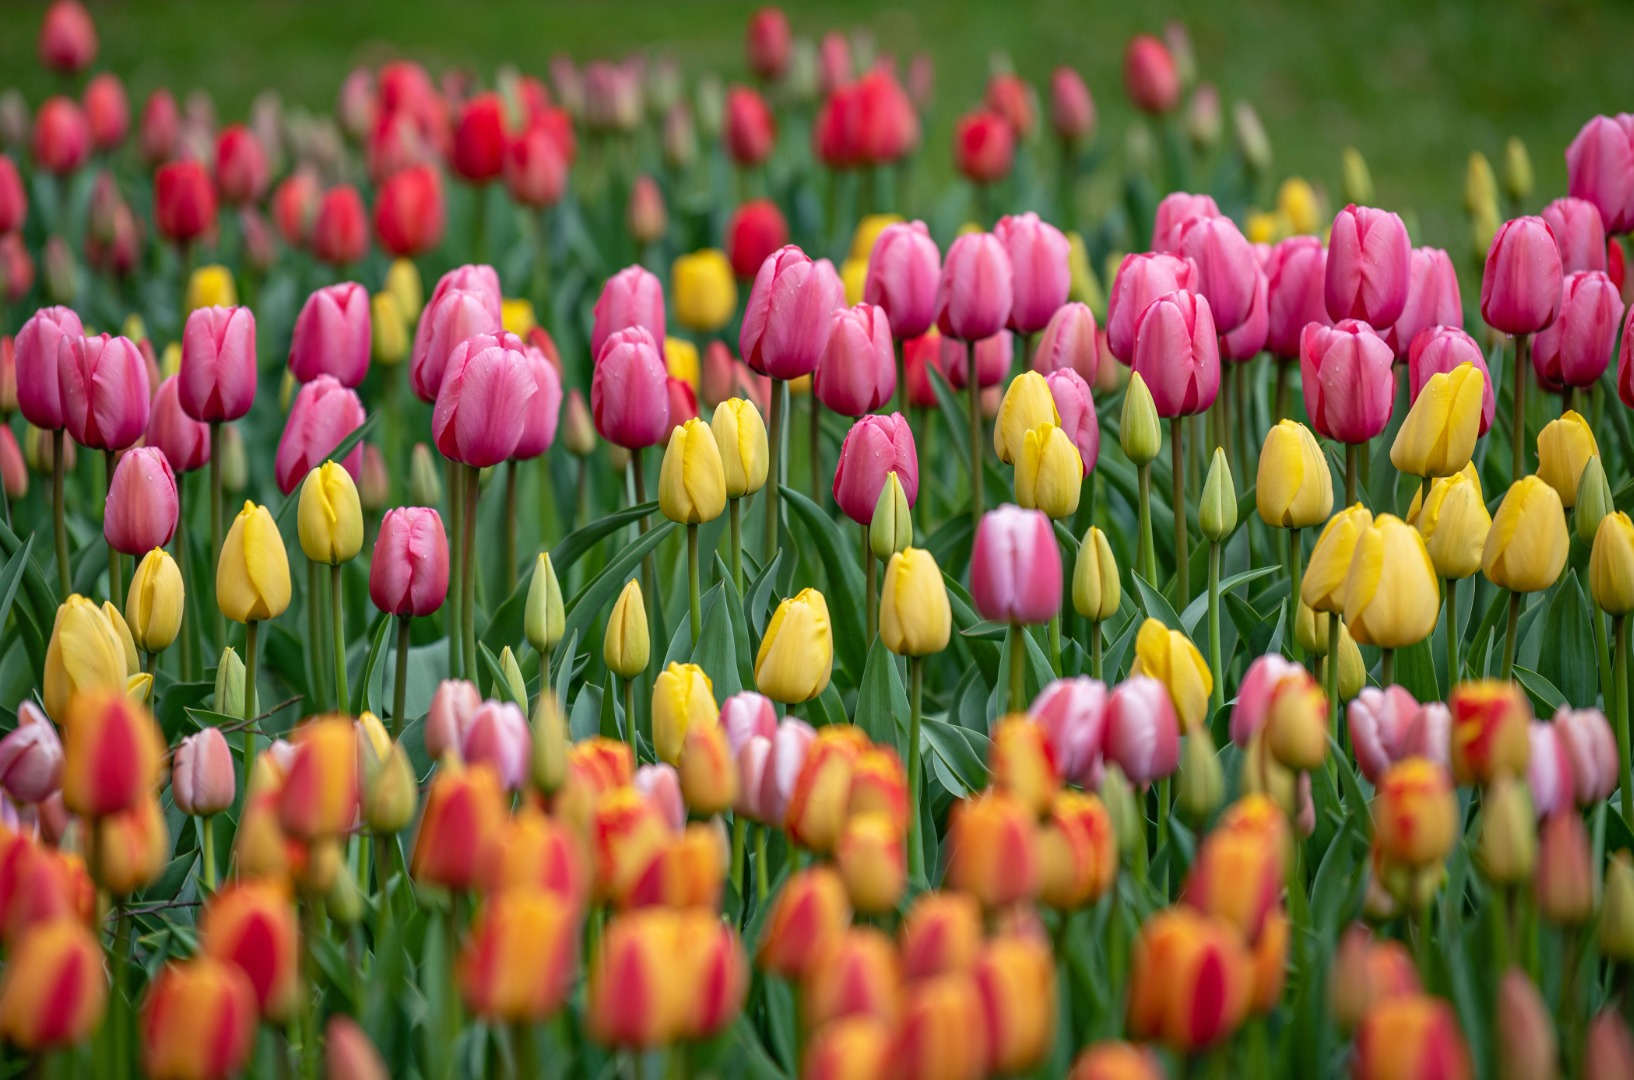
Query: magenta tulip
x=1070, y=340
x=1072, y=713
x=1142, y=730
x=31, y=757
x=1295, y=277
x=482, y=405
x=632, y=297
x=184, y=441
x=202, y=778
x=544, y=408
x=974, y=297
x=1174, y=211
x=1440, y=349
x=1178, y=354
x=1076, y=405
x=408, y=572
x=332, y=335
x=874, y=447
x=1579, y=233
x=140, y=512
x=803, y=294
x=323, y=414
x=1040, y=279
x=1575, y=349
x=629, y=392
x=1369, y=258
x=1142, y=278
x=1015, y=567
x=858, y=370
x=1520, y=286
x=1433, y=299
x=1378, y=727
x=1346, y=372
x=216, y=380
x=37, y=345
x=1600, y=169
x=1248, y=339
x=1227, y=268
x=497, y=735
x=448, y=319
x=903, y=272
x=993, y=359
x=105, y=395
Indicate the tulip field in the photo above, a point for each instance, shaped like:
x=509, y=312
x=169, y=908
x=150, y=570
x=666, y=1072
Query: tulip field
x=601, y=569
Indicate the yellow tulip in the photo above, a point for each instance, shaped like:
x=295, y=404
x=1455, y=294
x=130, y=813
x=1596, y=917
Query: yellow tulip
x=1323, y=586
x=1027, y=404
x=1264, y=227
x=1454, y=524
x=1392, y=596
x=1480, y=183
x=1294, y=489
x=692, y=482
x=153, y=610
x=1611, y=565
x=390, y=329
x=252, y=576
x=1593, y=499
x=854, y=279
x=1049, y=472
x=681, y=361
x=1356, y=180
x=1438, y=436
x=329, y=516
x=116, y=619
x=85, y=653
x=1298, y=202
x=704, y=293
x=211, y=286
x=1527, y=545
x=740, y=436
x=1085, y=287
x=626, y=646
x=1170, y=657
x=517, y=317
x=403, y=282
x=796, y=656
x=1096, y=591
x=170, y=361
x=915, y=618
x=867, y=234
x=1564, y=447
x=682, y=698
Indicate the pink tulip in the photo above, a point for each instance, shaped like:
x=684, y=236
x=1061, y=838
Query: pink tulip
x=31, y=757
x=1349, y=384
x=1142, y=730
x=1149, y=75
x=455, y=316
x=105, y=395
x=184, y=441
x=1369, y=258
x=993, y=357
x=1072, y=110
x=974, y=297
x=544, y=408
x=875, y=446
x=1076, y=405
x=1142, y=278
x=140, y=512
x=497, y=735
x=903, y=272
x=408, y=571
x=13, y=197
x=858, y=370
x=1178, y=354
x=1439, y=350
x=13, y=469
x=1600, y=169
x=216, y=381
x=1174, y=212
x=1432, y=299
x=107, y=111
x=632, y=297
x=1579, y=233
x=1548, y=770
x=202, y=779
x=1072, y=713
x=1625, y=361
x=482, y=405
x=1429, y=734
x=787, y=321
x=37, y=347
x=1520, y=287
x=1295, y=277
x=1575, y=349
x=332, y=335
x=1227, y=268
x=324, y=413
x=1254, y=695
x=660, y=785
x=629, y=392
x=1070, y=340
x=1248, y=340
x=1015, y=567
x=788, y=755
x=1378, y=726
x=1040, y=280
x=747, y=715
x=1592, y=749
x=753, y=757
x=452, y=705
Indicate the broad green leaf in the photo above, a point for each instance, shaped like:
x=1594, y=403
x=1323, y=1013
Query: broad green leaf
x=845, y=580
x=594, y=598
x=1546, y=696
x=882, y=703
x=1155, y=604
x=716, y=651
x=377, y=643
x=1199, y=607
x=1568, y=644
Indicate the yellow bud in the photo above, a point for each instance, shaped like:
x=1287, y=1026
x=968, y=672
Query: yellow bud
x=1323, y=586
x=1027, y=404
x=1049, y=471
x=682, y=696
x=235, y=466
x=1140, y=431
x=1311, y=629
x=867, y=235
x=1217, y=514
x=153, y=610
x=1484, y=222
x=1611, y=565
x=740, y=437
x=1392, y=596
x=1564, y=447
x=389, y=792
x=134, y=328
x=796, y=656
x=252, y=576
x=1438, y=436
x=229, y=699
x=286, y=390
x=86, y=652
x=891, y=529
x=681, y=361
x=389, y=328
x=1298, y=202
x=1170, y=657
x=403, y=282
x=1593, y=500
x=1264, y=227
x=692, y=482
x=1096, y=591
x=915, y=618
x=517, y=317
x=703, y=292
x=1480, y=185
x=625, y=647
x=1356, y=184
x=1128, y=820
x=170, y=361
x=854, y=278
x=1454, y=523
x=211, y=286
x=1293, y=489
x=1296, y=725
x=1508, y=846
x=1518, y=179
x=543, y=617
x=1352, y=672
x=1527, y=545
x=330, y=515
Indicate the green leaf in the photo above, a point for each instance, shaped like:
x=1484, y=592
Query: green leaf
x=1415, y=670
x=955, y=748
x=882, y=703
x=587, y=607
x=582, y=539
x=1568, y=644
x=337, y=454
x=716, y=651
x=1546, y=696
x=11, y=576
x=1155, y=604
x=1199, y=607
x=500, y=686
x=845, y=582
x=377, y=644
x=956, y=412
x=758, y=605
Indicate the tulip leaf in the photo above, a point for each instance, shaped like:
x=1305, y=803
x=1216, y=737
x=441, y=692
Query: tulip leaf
x=985, y=653
x=566, y=657
x=956, y=410
x=882, y=703
x=1415, y=671
x=987, y=630
x=1112, y=664
x=584, y=719
x=845, y=584
x=742, y=648
x=758, y=604
x=949, y=544
x=339, y=453
x=584, y=609
x=11, y=577
x=955, y=747
x=613, y=721
x=1546, y=696
x=1155, y=604
x=1199, y=607
x=1568, y=643
x=716, y=651
x=377, y=644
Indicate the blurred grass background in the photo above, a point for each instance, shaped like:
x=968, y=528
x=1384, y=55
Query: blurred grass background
x=1415, y=85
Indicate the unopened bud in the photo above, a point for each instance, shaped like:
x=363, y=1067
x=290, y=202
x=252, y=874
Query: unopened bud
x=425, y=479
x=1140, y=432
x=1202, y=780
x=891, y=530
x=229, y=700
x=1218, y=512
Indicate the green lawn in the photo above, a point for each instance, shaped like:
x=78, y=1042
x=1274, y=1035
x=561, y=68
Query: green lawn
x=1415, y=85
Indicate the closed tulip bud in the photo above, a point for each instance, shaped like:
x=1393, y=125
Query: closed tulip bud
x=1202, y=780
x=993, y=849
x=229, y=690
x=1140, y=432
x=330, y=516
x=408, y=569
x=1593, y=500
x=389, y=343
x=1438, y=436
x=1508, y=844
x=550, y=743
x=1489, y=730
x=1412, y=1035
x=1391, y=594
x=1564, y=885
x=320, y=793
x=1454, y=523
x=1170, y=657
x=425, y=479
x=111, y=752
x=201, y=774
x=131, y=847
x=53, y=993
x=1617, y=909
x=1294, y=488
x=1049, y=471
x=1564, y=447
x=390, y=793
x=1217, y=516
x=235, y=469
x=1415, y=813
x=1480, y=183
x=198, y=1021
x=1096, y=591
x=464, y=811
x=153, y=610
x=682, y=697
x=709, y=776
x=915, y=618
x=1190, y=980
x=625, y=647
x=796, y=656
x=1521, y=283
x=692, y=483
x=1527, y=545
x=543, y=619
x=891, y=528
x=252, y=577
x=252, y=927
x=807, y=916
x=704, y=293
x=1368, y=266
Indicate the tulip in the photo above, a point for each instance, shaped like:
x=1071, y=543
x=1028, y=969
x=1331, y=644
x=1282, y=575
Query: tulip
x=914, y=618
x=806, y=293
x=1411, y=1035
x=1573, y=351
x=1190, y=980
x=497, y=735
x=1072, y=110
x=1096, y=592
x=629, y=391
x=1022, y=764
x=1565, y=446
x=1141, y=279
x=891, y=529
x=1507, y=849
x=1489, y=730
x=1150, y=77
x=1415, y=813
x=1617, y=910
x=198, y=1021
x=705, y=295
x=85, y=653
x=1142, y=730
x=408, y=571
x=985, y=364
x=495, y=980
x=1016, y=567
x=1069, y=342
x=1294, y=489
x=974, y=295
x=1368, y=268
x=875, y=448
x=1438, y=436
x=251, y=927
x=463, y=813
x=201, y=778
x=349, y=1053
x=130, y=847
x=217, y=378
x=1564, y=884
x=1580, y=234
x=184, y=202
x=904, y=267
x=62, y=138
x=682, y=697
x=332, y=335
x=53, y=993
x=1014, y=974
x=68, y=39
x=1597, y=167
x=809, y=914
x=1391, y=594
x=766, y=43
x=1295, y=275
x=1608, y=1051
x=1445, y=349
x=755, y=231
x=692, y=483
x=330, y=516
x=1433, y=300
x=1227, y=268
x=984, y=146
x=319, y=798
x=857, y=373
x=993, y=850
x=38, y=346
x=141, y=507
x=870, y=859
x=481, y=411
x=1038, y=258
x=240, y=166
x=1348, y=383
x=1027, y=404
x=1521, y=283
x=324, y=413
x=103, y=387
x=751, y=129
x=1590, y=748
x=1527, y=545
x=625, y=647
x=408, y=212
x=1169, y=657
x=1237, y=878
x=450, y=317
x=1176, y=351
x=856, y=975
x=211, y=286
x=1454, y=524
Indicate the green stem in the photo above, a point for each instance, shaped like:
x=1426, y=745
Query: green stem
x=694, y=609
x=116, y=573
x=1055, y=644
x=511, y=468
x=734, y=517
x=1602, y=654
x=1163, y=798
x=1517, y=429
x=1511, y=631
x=1095, y=650
x=1182, y=565
x=382, y=870
x=1452, y=633
x=251, y=634
x=1619, y=633
x=774, y=467
x=975, y=401
x=1214, y=663
x=740, y=826
x=479, y=230
x=1279, y=396
x=629, y=714
x=459, y=664
x=215, y=521
x=1352, y=460
x=1296, y=574
x=916, y=712
x=649, y=591
x=313, y=645
x=1387, y=667
x=522, y=1051
x=207, y=842
x=763, y=873
x=870, y=590
x=58, y=521
x=399, y=693
x=121, y=965
x=1018, y=669
x=468, y=577
x=814, y=465
x=337, y=625
x=184, y=563
x=1145, y=554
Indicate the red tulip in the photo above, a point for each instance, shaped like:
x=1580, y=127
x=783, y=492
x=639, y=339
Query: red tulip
x=919, y=356
x=16, y=268
x=874, y=447
x=1579, y=233
x=67, y=37
x=1600, y=169
x=1072, y=110
x=13, y=199
x=1440, y=349
x=482, y=403
x=295, y=206
x=140, y=512
x=629, y=392
x=324, y=413
x=767, y=43
x=1295, y=278
x=833, y=61
x=339, y=233
x=1149, y=75
x=1369, y=262
x=62, y=138
x=241, y=166
x=632, y=297
x=903, y=271
x=1141, y=279
x=805, y=294
x=1575, y=349
x=1015, y=567
x=1177, y=353
x=449, y=318
x=107, y=111
x=1348, y=379
x=1174, y=212
x=1520, y=286
x=332, y=335
x=161, y=127
x=1039, y=277
x=38, y=346
x=858, y=371
x=184, y=201
x=755, y=231
x=13, y=466
x=408, y=572
x=1010, y=97
x=479, y=139
x=984, y=147
x=535, y=168
x=184, y=441
x=103, y=382
x=216, y=381
x=751, y=130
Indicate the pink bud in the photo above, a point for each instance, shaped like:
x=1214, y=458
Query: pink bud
x=1141, y=279
x=241, y=166
x=1226, y=268
x=1349, y=384
x=1072, y=713
x=482, y=405
x=408, y=571
x=1069, y=340
x=161, y=125
x=1040, y=280
x=1548, y=770
x=13, y=467
x=1520, y=287
x=1592, y=750
x=1600, y=169
x=340, y=232
x=747, y=715
x=993, y=358
x=984, y=146
x=67, y=37
x=1149, y=75
x=535, y=168
x=1429, y=733
x=62, y=138
x=31, y=757
x=104, y=386
x=903, y=272
x=332, y=335
x=216, y=380
x=497, y=735
x=140, y=512
x=874, y=447
x=1579, y=233
x=1369, y=257
x=452, y=705
x=788, y=755
x=632, y=297
x=1142, y=731
x=629, y=392
x=1248, y=340
x=660, y=785
x=753, y=757
x=1575, y=349
x=1176, y=210
x=1178, y=354
x=787, y=321
x=1072, y=110
x=1378, y=726
x=751, y=130
x=1295, y=274
x=107, y=111
x=184, y=441
x=1440, y=349
x=1015, y=567
x=323, y=414
x=858, y=371
x=201, y=774
x=13, y=198
x=544, y=408
x=1432, y=299
x=974, y=297
x=37, y=346
x=767, y=42
x=1076, y=406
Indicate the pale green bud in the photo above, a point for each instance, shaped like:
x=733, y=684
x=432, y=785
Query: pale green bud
x=229, y=700
x=1593, y=500
x=544, y=619
x=1518, y=178
x=515, y=684
x=1202, y=780
x=1356, y=181
x=891, y=530
x=425, y=479
x=1218, y=512
x=1140, y=430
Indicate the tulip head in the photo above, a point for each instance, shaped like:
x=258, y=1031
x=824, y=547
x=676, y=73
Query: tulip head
x=543, y=617
x=1170, y=657
x=1526, y=547
x=1410, y=1035
x=1140, y=431
x=740, y=438
x=1096, y=591
x=1507, y=848
x=1565, y=446
x=1190, y=980
x=796, y=656
x=1454, y=523
x=692, y=482
x=1415, y=813
x=330, y=515
x=891, y=529
x=993, y=849
x=1294, y=489
x=625, y=647
x=1564, y=885
x=915, y=618
x=252, y=576
x=1391, y=595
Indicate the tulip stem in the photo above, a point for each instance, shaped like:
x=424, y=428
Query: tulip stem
x=337, y=618
x=1018, y=669
x=1387, y=667
x=1182, y=567
x=870, y=590
x=116, y=576
x=1055, y=644
x=312, y=647
x=1095, y=649
x=1517, y=430
x=399, y=693
x=1452, y=632
x=1279, y=397
x=1213, y=627
x=975, y=437
x=694, y=611
x=1296, y=572
x=629, y=714
x=1331, y=671
x=740, y=826
x=774, y=479
x=1353, y=454
x=1163, y=786
x=207, y=841
x=458, y=663
x=215, y=521
x=184, y=562
x=251, y=633
x=916, y=712
x=639, y=476
x=64, y=583
x=468, y=576
x=510, y=526
x=816, y=463
x=1145, y=554
x=1511, y=631
x=1619, y=678
x=763, y=873
x=734, y=517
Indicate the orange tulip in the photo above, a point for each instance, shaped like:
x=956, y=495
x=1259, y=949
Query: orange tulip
x=39, y=885
x=873, y=862
x=688, y=871
x=1015, y=978
x=1270, y=964
x=879, y=785
x=1112, y=1060
x=1367, y=970
x=533, y=851
x=943, y=1034
x=520, y=956
x=994, y=849
x=822, y=790
x=1169, y=999
x=1237, y=877
x=636, y=992
x=131, y=847
x=464, y=810
x=709, y=772
x=348, y=1054
x=320, y=794
x=260, y=848
x=1022, y=763
x=627, y=835
x=714, y=973
x=54, y=991
x=856, y=1048
x=856, y=974
x=1077, y=851
x=1414, y=1037
x=808, y=913
x=112, y=753
x=1489, y=730
x=252, y=925
x=940, y=934
x=1415, y=813
x=198, y=1022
